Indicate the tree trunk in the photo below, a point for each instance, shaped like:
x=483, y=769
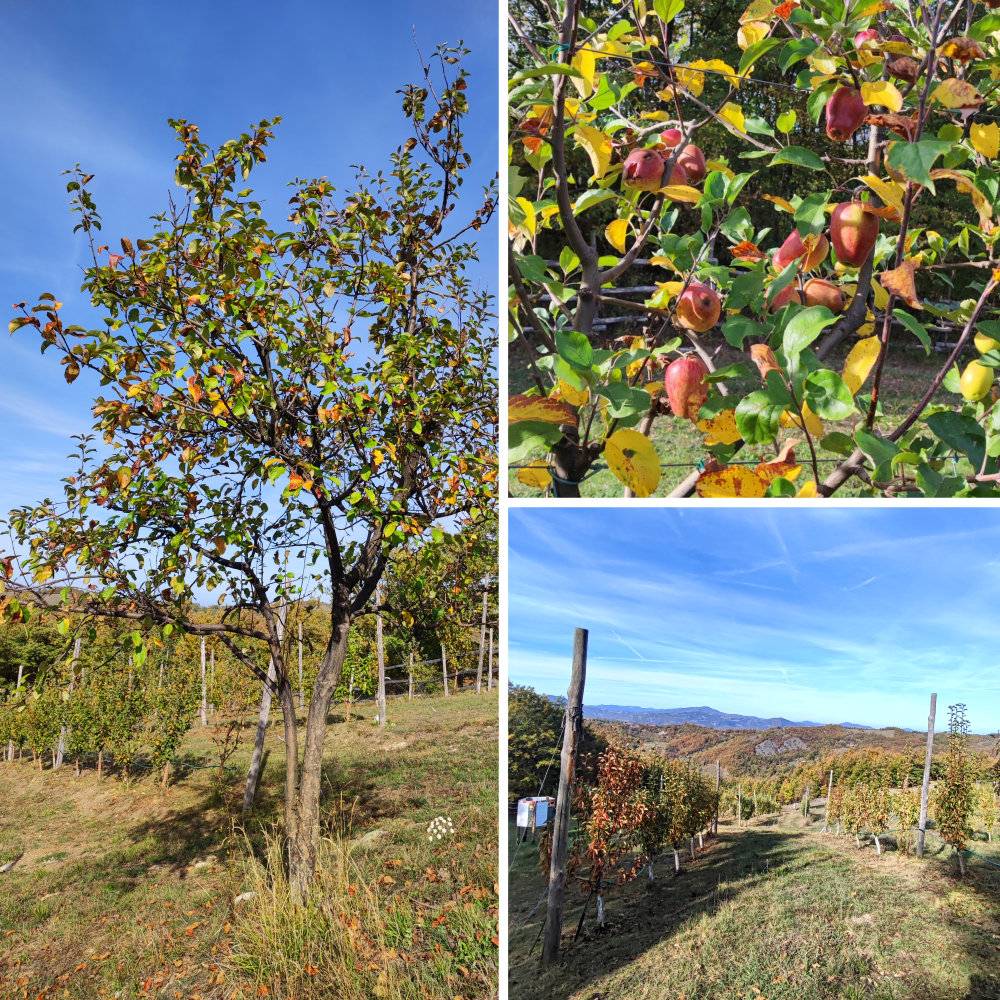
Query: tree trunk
x=302, y=803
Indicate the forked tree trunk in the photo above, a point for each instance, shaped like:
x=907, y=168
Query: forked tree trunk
x=302, y=786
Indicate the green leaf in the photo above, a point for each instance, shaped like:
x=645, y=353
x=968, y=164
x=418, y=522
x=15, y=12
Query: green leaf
x=667, y=10
x=737, y=184
x=915, y=159
x=527, y=437
x=960, y=432
x=810, y=216
x=758, y=418
x=532, y=268
x=549, y=69
x=786, y=121
x=591, y=198
x=914, y=326
x=625, y=401
x=757, y=50
x=796, y=50
x=951, y=381
x=798, y=156
x=880, y=451
x=738, y=328
x=838, y=443
x=827, y=395
x=780, y=487
x=816, y=101
x=574, y=348
x=804, y=327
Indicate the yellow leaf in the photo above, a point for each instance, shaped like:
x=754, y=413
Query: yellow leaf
x=823, y=63
x=584, y=61
x=881, y=296
x=780, y=202
x=548, y=411
x=860, y=362
x=733, y=114
x=660, y=261
x=654, y=389
x=720, y=429
x=529, y=216
x=750, y=34
x=573, y=396
x=957, y=94
x=718, y=66
x=633, y=460
x=889, y=191
x=883, y=93
x=535, y=475
x=985, y=139
x=43, y=573
x=681, y=192
x=734, y=481
x=597, y=146
x=220, y=545
x=783, y=467
x=759, y=10
x=615, y=233
x=964, y=185
x=808, y=489
x=812, y=423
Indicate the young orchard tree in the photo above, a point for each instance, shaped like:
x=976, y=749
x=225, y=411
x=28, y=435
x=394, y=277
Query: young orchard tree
x=955, y=800
x=326, y=388
x=643, y=163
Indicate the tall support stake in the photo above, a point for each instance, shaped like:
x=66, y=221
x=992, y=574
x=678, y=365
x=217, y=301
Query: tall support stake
x=926, y=788
x=718, y=779
x=253, y=775
x=829, y=792
x=302, y=690
x=482, y=645
x=489, y=673
x=10, y=744
x=204, y=688
x=564, y=798
x=739, y=805
x=409, y=672
x=380, y=648
x=211, y=676
x=60, y=752
x=444, y=670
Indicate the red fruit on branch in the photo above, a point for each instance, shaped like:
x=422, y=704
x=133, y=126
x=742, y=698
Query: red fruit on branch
x=643, y=170
x=786, y=295
x=687, y=390
x=845, y=111
x=671, y=137
x=698, y=308
x=824, y=293
x=868, y=35
x=854, y=230
x=692, y=159
x=795, y=249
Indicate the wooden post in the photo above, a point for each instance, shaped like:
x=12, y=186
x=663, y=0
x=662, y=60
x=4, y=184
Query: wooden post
x=926, y=788
x=718, y=779
x=444, y=670
x=61, y=751
x=204, y=689
x=805, y=803
x=482, y=645
x=829, y=792
x=564, y=797
x=253, y=775
x=381, y=656
x=489, y=674
x=739, y=805
x=350, y=694
x=409, y=695
x=211, y=676
x=10, y=744
x=159, y=686
x=302, y=690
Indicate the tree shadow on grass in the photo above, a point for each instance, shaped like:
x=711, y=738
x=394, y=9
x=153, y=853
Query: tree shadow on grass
x=642, y=916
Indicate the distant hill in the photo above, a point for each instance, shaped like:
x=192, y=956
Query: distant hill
x=701, y=716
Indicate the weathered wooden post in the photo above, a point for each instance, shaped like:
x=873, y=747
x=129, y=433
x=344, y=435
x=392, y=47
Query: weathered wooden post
x=489, y=673
x=211, y=676
x=739, y=805
x=564, y=797
x=409, y=672
x=482, y=645
x=926, y=787
x=253, y=775
x=204, y=689
x=60, y=753
x=718, y=777
x=10, y=744
x=302, y=691
x=829, y=792
x=805, y=803
x=444, y=670
x=380, y=649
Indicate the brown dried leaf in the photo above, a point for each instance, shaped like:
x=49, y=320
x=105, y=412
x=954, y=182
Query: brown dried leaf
x=901, y=282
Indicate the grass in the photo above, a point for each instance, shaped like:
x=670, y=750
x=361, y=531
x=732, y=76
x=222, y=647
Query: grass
x=773, y=911
x=680, y=445
x=130, y=892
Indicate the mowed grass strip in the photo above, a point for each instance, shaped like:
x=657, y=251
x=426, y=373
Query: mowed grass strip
x=129, y=892
x=772, y=912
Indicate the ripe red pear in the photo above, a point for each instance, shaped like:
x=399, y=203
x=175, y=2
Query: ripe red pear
x=643, y=169
x=868, y=35
x=845, y=111
x=678, y=175
x=698, y=308
x=786, y=295
x=671, y=137
x=692, y=159
x=795, y=249
x=687, y=390
x=854, y=230
x=819, y=292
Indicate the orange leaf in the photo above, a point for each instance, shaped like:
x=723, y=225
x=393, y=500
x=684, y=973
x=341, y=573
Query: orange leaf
x=549, y=411
x=311, y=969
x=901, y=282
x=904, y=125
x=745, y=250
x=763, y=357
x=784, y=466
x=962, y=49
x=193, y=388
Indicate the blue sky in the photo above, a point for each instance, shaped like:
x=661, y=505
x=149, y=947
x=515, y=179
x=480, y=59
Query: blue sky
x=839, y=614
x=95, y=83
